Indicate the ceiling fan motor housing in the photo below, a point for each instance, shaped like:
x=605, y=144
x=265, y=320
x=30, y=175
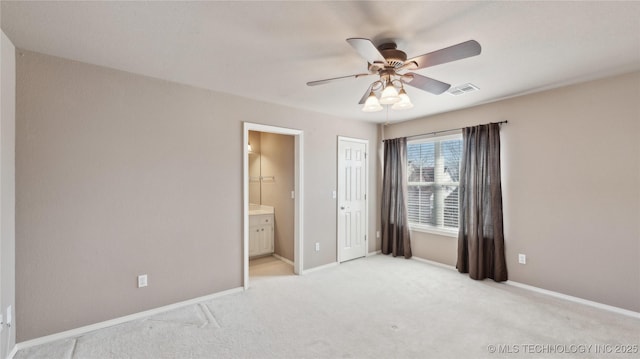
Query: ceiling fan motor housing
x=395, y=58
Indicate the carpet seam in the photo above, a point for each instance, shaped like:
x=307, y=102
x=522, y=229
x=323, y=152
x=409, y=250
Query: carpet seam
x=73, y=350
x=207, y=313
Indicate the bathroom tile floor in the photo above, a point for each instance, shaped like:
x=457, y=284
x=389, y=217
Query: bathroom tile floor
x=268, y=267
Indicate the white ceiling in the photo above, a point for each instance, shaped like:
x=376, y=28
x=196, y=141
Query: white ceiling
x=269, y=50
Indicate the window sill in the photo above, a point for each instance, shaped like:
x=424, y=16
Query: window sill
x=434, y=230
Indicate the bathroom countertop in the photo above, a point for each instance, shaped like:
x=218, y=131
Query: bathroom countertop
x=257, y=209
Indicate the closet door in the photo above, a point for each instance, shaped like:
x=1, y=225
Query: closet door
x=352, y=198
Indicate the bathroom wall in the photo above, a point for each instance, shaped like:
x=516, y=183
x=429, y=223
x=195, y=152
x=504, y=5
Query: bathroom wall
x=277, y=160
x=254, y=167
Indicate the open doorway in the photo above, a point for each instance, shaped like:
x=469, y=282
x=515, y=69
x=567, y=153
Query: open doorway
x=271, y=204
x=265, y=192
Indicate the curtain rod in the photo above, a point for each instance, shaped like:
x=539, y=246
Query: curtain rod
x=441, y=131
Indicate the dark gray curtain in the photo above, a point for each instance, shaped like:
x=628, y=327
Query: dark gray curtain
x=395, y=222
x=480, y=236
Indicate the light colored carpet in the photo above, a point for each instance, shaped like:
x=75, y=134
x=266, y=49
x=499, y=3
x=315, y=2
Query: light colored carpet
x=376, y=307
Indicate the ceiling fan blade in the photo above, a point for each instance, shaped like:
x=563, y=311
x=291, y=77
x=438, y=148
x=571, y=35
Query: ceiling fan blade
x=322, y=82
x=452, y=53
x=408, y=65
x=367, y=50
x=427, y=84
x=366, y=95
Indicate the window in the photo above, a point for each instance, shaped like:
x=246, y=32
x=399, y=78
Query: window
x=433, y=174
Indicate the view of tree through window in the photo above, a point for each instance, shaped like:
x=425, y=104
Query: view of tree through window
x=433, y=174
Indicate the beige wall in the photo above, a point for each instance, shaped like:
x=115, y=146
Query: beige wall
x=7, y=190
x=277, y=160
x=120, y=175
x=571, y=187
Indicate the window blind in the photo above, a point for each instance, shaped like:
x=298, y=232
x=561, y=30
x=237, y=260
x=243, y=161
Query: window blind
x=433, y=176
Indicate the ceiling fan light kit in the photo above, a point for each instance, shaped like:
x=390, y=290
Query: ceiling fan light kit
x=389, y=95
x=390, y=64
x=372, y=104
x=404, y=103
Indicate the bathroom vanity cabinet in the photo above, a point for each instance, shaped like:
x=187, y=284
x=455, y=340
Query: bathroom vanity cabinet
x=260, y=234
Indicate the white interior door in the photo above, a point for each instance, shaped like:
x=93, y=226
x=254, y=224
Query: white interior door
x=352, y=198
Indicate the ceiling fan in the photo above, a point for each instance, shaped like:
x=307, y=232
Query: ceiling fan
x=391, y=65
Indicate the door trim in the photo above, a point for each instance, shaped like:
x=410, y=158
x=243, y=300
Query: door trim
x=366, y=188
x=298, y=221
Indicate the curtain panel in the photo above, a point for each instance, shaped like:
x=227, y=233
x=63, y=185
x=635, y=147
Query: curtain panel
x=481, y=236
x=395, y=220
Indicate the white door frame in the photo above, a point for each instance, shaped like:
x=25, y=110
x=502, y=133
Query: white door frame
x=366, y=188
x=298, y=193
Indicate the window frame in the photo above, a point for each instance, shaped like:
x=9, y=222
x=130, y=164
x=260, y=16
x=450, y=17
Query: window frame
x=426, y=228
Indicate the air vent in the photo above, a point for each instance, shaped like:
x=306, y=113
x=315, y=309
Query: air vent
x=462, y=89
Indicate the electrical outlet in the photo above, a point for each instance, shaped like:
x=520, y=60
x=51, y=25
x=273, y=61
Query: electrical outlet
x=334, y=195
x=9, y=313
x=142, y=281
x=317, y=246
x=293, y=194
x=377, y=234
x=522, y=258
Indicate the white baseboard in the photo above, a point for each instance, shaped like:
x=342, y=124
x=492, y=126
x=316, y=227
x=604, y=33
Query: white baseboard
x=374, y=253
x=571, y=298
x=282, y=259
x=109, y=323
x=551, y=293
x=325, y=266
x=13, y=352
x=438, y=264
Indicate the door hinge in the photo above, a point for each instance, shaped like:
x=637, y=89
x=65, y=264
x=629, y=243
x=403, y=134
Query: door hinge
x=365, y=155
x=365, y=237
x=365, y=196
